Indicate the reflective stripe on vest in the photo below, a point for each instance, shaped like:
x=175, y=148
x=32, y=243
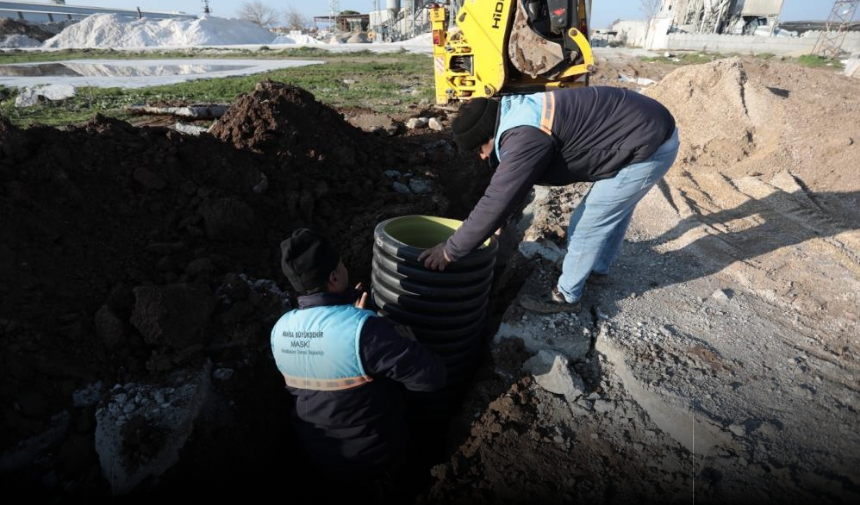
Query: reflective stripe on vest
x=537, y=110
x=318, y=348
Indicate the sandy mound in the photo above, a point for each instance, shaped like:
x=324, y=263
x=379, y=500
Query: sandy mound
x=723, y=116
x=109, y=30
x=763, y=119
x=358, y=38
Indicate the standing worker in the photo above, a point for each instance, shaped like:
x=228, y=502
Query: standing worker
x=346, y=367
x=618, y=139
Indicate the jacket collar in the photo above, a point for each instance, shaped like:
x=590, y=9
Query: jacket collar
x=327, y=299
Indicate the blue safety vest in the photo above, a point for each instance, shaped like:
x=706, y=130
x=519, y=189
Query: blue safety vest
x=318, y=348
x=537, y=110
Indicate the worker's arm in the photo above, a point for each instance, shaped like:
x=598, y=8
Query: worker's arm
x=385, y=353
x=525, y=152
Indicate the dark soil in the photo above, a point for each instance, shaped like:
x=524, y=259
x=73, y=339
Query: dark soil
x=13, y=27
x=120, y=255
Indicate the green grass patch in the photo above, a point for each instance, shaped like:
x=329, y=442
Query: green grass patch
x=18, y=56
x=809, y=60
x=387, y=83
x=683, y=59
x=698, y=58
x=12, y=57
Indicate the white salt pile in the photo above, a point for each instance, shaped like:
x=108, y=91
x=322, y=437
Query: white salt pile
x=296, y=38
x=110, y=30
x=17, y=41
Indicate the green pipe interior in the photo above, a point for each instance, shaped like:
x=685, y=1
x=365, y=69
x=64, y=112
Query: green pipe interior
x=423, y=231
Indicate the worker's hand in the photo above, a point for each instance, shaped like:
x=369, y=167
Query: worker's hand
x=361, y=303
x=435, y=258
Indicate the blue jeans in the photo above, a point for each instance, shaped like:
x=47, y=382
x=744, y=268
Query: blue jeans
x=598, y=224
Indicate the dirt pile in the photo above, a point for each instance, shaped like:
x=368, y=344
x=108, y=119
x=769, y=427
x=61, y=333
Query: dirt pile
x=725, y=116
x=287, y=121
x=331, y=174
x=759, y=118
x=128, y=252
x=10, y=27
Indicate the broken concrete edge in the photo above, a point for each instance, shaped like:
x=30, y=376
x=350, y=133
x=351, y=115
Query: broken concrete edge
x=110, y=442
x=29, y=97
x=192, y=111
x=552, y=372
x=189, y=129
x=550, y=365
x=676, y=417
x=545, y=249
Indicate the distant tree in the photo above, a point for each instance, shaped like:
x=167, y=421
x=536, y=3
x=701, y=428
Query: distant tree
x=650, y=8
x=295, y=20
x=349, y=13
x=258, y=13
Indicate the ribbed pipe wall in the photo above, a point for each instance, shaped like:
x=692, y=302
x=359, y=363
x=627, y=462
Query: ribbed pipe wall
x=445, y=309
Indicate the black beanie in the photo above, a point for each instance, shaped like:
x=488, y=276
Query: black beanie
x=307, y=259
x=475, y=123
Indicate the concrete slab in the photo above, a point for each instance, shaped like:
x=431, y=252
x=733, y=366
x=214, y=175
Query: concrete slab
x=142, y=427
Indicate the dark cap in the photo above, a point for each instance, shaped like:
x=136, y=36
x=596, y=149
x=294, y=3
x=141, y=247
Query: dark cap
x=307, y=259
x=475, y=123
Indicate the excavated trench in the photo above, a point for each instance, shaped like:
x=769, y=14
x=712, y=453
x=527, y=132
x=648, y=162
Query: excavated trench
x=140, y=278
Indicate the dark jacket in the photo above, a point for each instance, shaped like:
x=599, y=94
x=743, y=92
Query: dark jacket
x=364, y=428
x=596, y=131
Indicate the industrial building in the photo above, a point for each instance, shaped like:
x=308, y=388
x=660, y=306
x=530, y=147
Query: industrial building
x=398, y=20
x=735, y=17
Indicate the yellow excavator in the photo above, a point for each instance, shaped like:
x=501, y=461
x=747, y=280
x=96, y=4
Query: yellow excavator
x=509, y=46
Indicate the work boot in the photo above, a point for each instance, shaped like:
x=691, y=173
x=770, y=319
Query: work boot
x=597, y=279
x=551, y=303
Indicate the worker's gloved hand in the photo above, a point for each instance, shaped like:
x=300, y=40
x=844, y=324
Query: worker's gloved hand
x=435, y=258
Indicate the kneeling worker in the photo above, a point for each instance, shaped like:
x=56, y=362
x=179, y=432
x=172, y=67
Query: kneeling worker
x=343, y=365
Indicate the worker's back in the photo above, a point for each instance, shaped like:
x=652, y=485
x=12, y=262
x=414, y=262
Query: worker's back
x=597, y=130
x=343, y=366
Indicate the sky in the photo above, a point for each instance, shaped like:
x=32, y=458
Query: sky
x=605, y=11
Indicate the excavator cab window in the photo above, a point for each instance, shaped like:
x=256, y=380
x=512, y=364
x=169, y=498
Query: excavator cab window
x=538, y=16
x=551, y=18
